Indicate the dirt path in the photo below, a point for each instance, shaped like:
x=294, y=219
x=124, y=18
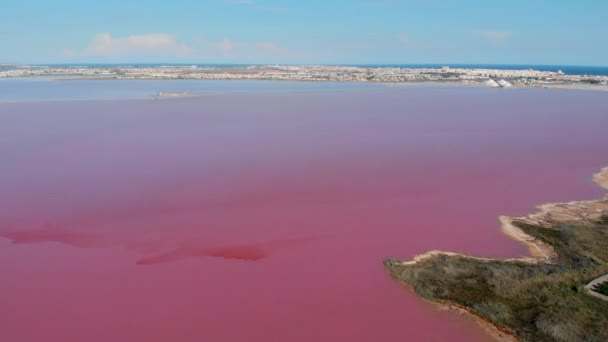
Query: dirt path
x=594, y=282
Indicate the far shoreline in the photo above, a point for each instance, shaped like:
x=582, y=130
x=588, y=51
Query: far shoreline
x=480, y=84
x=498, y=77
x=161, y=95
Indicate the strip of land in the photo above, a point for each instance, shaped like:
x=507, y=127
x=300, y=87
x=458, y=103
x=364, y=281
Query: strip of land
x=550, y=296
x=496, y=78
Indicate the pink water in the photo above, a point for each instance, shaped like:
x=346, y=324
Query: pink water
x=266, y=217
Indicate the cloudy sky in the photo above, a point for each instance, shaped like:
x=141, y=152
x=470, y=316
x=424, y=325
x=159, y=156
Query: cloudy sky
x=313, y=31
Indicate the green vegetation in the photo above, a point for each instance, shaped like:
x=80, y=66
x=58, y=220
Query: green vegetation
x=537, y=302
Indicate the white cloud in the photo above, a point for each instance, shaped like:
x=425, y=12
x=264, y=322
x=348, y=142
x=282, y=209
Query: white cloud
x=496, y=38
x=104, y=44
x=167, y=47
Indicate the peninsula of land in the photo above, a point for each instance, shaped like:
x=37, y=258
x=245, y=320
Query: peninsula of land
x=497, y=78
x=559, y=293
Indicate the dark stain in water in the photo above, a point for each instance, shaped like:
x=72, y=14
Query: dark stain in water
x=247, y=252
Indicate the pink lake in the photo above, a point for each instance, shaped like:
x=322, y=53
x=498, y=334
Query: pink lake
x=266, y=216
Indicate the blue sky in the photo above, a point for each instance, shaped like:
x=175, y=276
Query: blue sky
x=314, y=31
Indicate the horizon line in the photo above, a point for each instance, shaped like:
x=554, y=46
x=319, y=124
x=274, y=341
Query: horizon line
x=296, y=64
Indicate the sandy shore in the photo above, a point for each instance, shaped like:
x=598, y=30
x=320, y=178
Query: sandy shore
x=540, y=251
x=601, y=178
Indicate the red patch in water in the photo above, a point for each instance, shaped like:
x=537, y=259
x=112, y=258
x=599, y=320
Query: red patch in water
x=253, y=252
x=247, y=253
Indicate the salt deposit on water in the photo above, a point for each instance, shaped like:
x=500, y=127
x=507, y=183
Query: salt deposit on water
x=492, y=83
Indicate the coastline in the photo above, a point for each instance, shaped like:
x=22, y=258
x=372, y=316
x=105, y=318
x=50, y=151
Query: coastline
x=541, y=252
x=601, y=178
x=480, y=75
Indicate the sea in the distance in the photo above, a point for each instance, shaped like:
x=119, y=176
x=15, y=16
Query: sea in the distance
x=567, y=69
x=263, y=211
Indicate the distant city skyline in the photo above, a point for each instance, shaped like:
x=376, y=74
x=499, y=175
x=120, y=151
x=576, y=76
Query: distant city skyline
x=558, y=32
